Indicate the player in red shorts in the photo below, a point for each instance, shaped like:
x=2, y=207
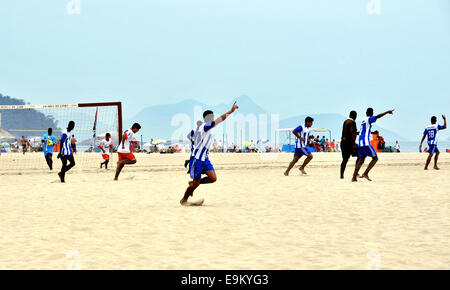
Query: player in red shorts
x=125, y=154
x=106, y=146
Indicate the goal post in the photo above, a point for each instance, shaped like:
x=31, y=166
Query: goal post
x=92, y=122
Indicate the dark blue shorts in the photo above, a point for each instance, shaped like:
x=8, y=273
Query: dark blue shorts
x=366, y=151
x=198, y=167
x=433, y=149
x=301, y=151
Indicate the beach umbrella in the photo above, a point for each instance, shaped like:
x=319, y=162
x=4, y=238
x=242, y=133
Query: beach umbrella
x=246, y=143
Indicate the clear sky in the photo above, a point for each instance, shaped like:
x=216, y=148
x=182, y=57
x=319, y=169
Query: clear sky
x=290, y=56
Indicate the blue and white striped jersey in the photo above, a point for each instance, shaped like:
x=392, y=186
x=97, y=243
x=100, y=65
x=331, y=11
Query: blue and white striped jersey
x=304, y=133
x=366, y=130
x=431, y=133
x=65, y=143
x=203, y=140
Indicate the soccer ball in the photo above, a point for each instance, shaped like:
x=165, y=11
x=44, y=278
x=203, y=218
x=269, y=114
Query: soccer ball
x=49, y=142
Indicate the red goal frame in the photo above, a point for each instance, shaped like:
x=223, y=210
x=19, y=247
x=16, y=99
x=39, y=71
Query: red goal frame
x=109, y=104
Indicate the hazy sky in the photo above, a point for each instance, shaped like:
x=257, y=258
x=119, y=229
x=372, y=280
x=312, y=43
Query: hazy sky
x=291, y=57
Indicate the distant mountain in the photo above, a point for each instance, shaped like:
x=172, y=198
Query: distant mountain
x=163, y=120
x=27, y=119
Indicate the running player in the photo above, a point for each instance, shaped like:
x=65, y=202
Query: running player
x=124, y=152
x=65, y=151
x=192, y=136
x=365, y=149
x=106, y=146
x=48, y=141
x=301, y=142
x=431, y=132
x=200, y=161
x=348, y=141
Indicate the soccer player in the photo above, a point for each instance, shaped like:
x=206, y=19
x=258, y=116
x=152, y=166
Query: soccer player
x=48, y=141
x=365, y=149
x=193, y=136
x=65, y=151
x=106, y=146
x=124, y=152
x=200, y=162
x=431, y=133
x=348, y=141
x=302, y=134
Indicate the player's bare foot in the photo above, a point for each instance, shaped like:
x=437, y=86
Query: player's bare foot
x=354, y=179
x=60, y=177
x=286, y=173
x=436, y=168
x=366, y=177
x=426, y=168
x=302, y=170
x=183, y=201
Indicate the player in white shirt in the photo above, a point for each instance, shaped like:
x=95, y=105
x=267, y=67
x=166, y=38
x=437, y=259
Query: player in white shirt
x=124, y=150
x=106, y=146
x=200, y=161
x=301, y=143
x=431, y=133
x=365, y=149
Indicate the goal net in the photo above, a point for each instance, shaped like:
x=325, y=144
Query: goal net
x=23, y=126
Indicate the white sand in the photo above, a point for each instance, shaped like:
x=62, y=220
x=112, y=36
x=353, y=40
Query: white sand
x=253, y=217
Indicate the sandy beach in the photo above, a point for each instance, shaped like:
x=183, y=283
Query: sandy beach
x=253, y=217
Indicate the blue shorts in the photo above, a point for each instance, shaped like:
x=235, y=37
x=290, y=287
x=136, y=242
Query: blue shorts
x=366, y=151
x=301, y=151
x=48, y=152
x=433, y=149
x=198, y=167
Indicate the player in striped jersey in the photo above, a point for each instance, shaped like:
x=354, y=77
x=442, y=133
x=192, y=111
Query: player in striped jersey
x=431, y=133
x=364, y=147
x=106, y=146
x=301, y=143
x=200, y=161
x=193, y=136
x=65, y=151
x=124, y=150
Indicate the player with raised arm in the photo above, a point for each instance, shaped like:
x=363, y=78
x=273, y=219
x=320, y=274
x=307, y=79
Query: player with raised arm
x=365, y=149
x=301, y=143
x=193, y=136
x=65, y=151
x=124, y=151
x=431, y=133
x=200, y=161
x=48, y=141
x=106, y=146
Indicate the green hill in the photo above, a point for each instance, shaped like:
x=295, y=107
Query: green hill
x=15, y=121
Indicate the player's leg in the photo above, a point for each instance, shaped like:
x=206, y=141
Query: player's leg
x=436, y=157
x=71, y=162
x=431, y=152
x=293, y=162
x=370, y=152
x=210, y=177
x=345, y=158
x=369, y=167
x=124, y=159
x=359, y=164
x=309, y=157
x=48, y=159
x=62, y=173
x=190, y=190
x=106, y=163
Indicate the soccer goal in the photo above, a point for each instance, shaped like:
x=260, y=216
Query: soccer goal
x=23, y=126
